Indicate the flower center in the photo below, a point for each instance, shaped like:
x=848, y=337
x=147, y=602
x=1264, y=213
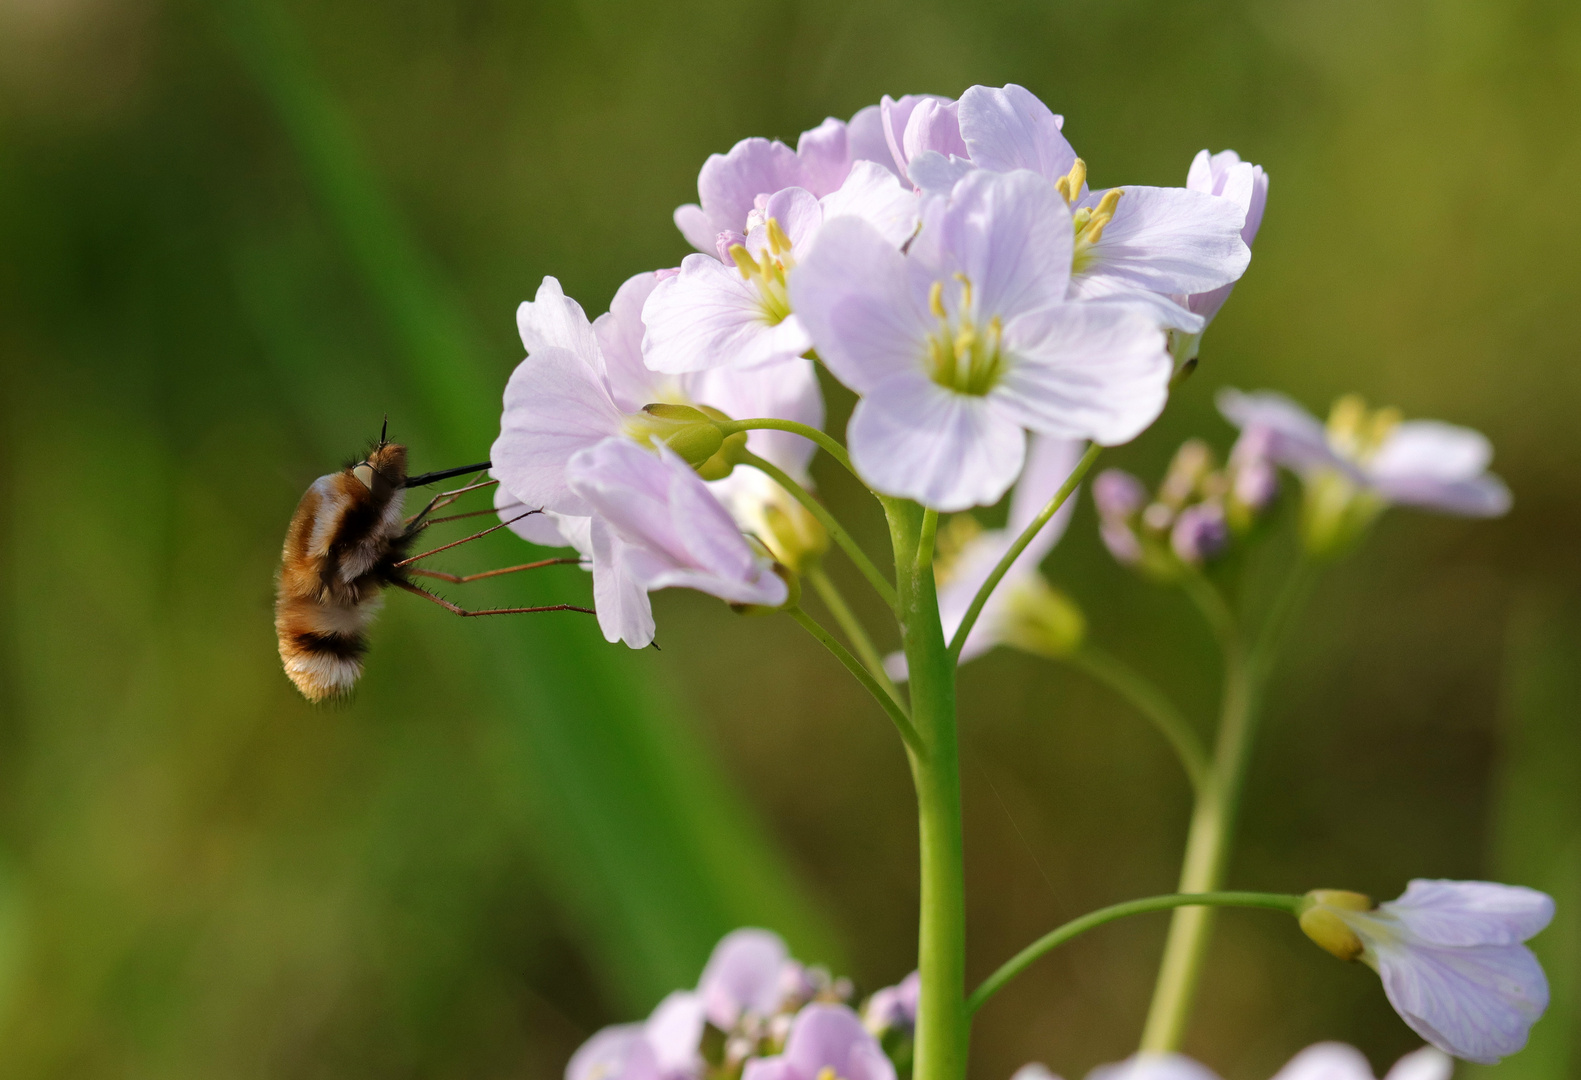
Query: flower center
x=1089, y=220
x=767, y=272
x=962, y=357
x=1356, y=432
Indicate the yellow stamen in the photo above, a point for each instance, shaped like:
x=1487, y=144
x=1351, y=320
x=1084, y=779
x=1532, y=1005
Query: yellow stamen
x=1070, y=184
x=1102, y=214
x=744, y=261
x=966, y=291
x=936, y=300
x=962, y=357
x=779, y=243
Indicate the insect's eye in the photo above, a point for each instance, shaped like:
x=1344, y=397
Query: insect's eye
x=364, y=474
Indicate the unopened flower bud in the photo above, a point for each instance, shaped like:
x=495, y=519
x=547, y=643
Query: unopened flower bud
x=1191, y=463
x=1121, y=541
x=1117, y=494
x=692, y=434
x=1322, y=921
x=1200, y=533
x=1041, y=620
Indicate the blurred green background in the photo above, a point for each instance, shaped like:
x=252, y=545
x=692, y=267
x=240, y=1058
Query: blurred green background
x=234, y=236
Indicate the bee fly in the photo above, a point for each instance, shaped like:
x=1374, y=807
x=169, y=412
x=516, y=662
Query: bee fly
x=347, y=542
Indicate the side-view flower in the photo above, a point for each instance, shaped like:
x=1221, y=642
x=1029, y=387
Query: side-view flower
x=1000, y=323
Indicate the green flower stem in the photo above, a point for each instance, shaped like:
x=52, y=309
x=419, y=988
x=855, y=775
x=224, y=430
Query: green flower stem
x=903, y=724
x=880, y=584
x=853, y=628
x=1209, y=839
x=1060, y=935
x=1152, y=703
x=927, y=540
x=943, y=1027
x=826, y=442
x=1064, y=493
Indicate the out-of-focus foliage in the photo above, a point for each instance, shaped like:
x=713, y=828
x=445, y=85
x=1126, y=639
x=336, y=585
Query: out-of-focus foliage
x=233, y=237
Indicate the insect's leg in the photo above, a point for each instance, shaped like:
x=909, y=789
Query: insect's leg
x=462, y=579
x=454, y=609
x=464, y=539
x=443, y=499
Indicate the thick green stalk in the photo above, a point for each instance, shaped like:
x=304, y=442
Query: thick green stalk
x=942, y=1022
x=1061, y=934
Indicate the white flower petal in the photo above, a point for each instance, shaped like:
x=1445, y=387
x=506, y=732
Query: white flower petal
x=1169, y=241
x=546, y=528
x=799, y=216
x=1298, y=439
x=873, y=194
x=1327, y=1061
x=825, y=156
x=614, y=1053
x=911, y=437
x=1441, y=467
x=619, y=332
x=865, y=138
x=854, y=296
x=1050, y=461
x=936, y=174
x=1461, y=913
x=553, y=320
x=695, y=225
x=1085, y=371
x=1167, y=312
x=555, y=406
x=729, y=183
x=1010, y=234
x=708, y=316
x=619, y=596
x=1476, y=1003
x=1428, y=1063
x=1154, y=1067
x=1008, y=129
x=1034, y=1070
x=675, y=1031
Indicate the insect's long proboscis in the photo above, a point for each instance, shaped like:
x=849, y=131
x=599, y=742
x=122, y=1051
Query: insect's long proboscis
x=422, y=479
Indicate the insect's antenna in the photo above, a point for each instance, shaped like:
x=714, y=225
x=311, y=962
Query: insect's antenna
x=445, y=474
x=383, y=430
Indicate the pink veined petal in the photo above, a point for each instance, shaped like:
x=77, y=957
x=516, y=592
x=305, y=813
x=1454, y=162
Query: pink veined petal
x=1169, y=240
x=1167, y=312
x=743, y=975
x=865, y=138
x=708, y=316
x=1009, y=128
x=1462, y=913
x=619, y=597
x=717, y=559
x=696, y=226
x=555, y=406
x=769, y=1068
x=799, y=215
x=934, y=174
x=873, y=194
x=895, y=116
x=1154, y=1067
x=933, y=125
x=1475, y=1003
x=619, y=332
x=853, y=295
x=614, y=1053
x=1010, y=234
x=553, y=320
x=786, y=391
x=675, y=1031
x=825, y=156
x=1297, y=439
x=730, y=183
x=1085, y=371
x=911, y=437
x=832, y=1036
x=868, y=1062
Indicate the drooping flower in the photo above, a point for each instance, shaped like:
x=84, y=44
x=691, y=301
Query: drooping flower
x=730, y=185
x=1226, y=176
x=1147, y=245
x=735, y=311
x=1451, y=957
x=825, y=1037
x=655, y=525
x=1024, y=610
x=965, y=343
x=1362, y=461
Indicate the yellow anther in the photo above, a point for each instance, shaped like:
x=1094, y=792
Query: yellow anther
x=779, y=243
x=1384, y=421
x=827, y=1073
x=1070, y=184
x=966, y=290
x=936, y=300
x=1102, y=214
x=745, y=262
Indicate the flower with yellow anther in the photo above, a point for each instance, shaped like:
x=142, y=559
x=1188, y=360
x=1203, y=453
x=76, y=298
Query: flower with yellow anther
x=962, y=357
x=766, y=272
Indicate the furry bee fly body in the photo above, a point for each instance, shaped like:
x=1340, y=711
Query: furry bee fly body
x=341, y=550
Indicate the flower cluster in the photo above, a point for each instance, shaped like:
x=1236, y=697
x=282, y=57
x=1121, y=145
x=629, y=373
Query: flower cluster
x=757, y=1014
x=945, y=259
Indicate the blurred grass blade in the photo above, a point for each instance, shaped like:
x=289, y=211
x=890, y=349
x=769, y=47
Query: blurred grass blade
x=646, y=852
x=1537, y=820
